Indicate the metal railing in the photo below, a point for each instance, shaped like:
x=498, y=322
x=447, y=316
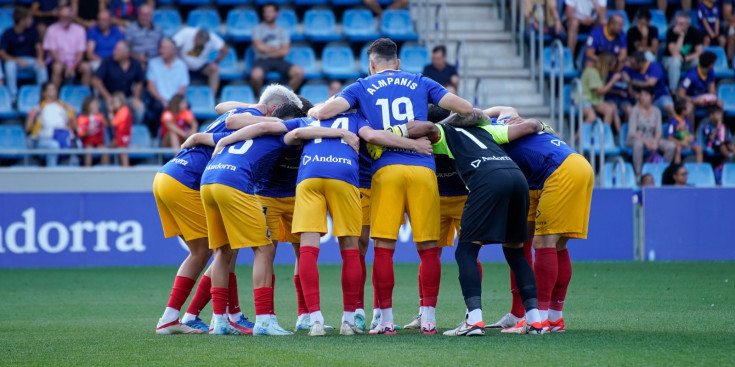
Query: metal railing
x=161, y=154
x=536, y=46
x=600, y=177
x=556, y=77
x=619, y=161
x=433, y=27
x=575, y=110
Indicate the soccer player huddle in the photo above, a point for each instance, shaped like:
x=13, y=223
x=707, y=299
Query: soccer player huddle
x=391, y=145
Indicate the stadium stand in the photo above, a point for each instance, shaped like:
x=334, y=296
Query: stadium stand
x=168, y=19
x=6, y=19
x=201, y=101
x=413, y=58
x=228, y=67
x=194, y=2
x=397, y=25
x=590, y=131
x=287, y=19
x=700, y=175
x=29, y=96
x=315, y=92
x=656, y=170
x=726, y=92
x=615, y=179
x=569, y=69
x=338, y=62
x=205, y=18
x=74, y=95
x=12, y=137
x=364, y=60
x=140, y=137
x=722, y=67
x=359, y=25
x=240, y=24
x=623, y=14
x=320, y=25
x=306, y=58
x=728, y=175
x=6, y=104
x=242, y=93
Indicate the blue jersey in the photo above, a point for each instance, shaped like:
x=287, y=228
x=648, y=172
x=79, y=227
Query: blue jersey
x=332, y=158
x=366, y=167
x=602, y=43
x=695, y=83
x=281, y=182
x=392, y=98
x=650, y=71
x=709, y=15
x=187, y=167
x=450, y=184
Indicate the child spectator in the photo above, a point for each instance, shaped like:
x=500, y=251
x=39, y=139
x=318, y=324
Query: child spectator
x=91, y=125
x=716, y=134
x=680, y=131
x=708, y=14
x=698, y=86
x=177, y=122
x=122, y=121
x=675, y=175
x=647, y=180
x=645, y=132
x=593, y=90
x=51, y=124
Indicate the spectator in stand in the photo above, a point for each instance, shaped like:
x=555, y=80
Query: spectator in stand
x=643, y=73
x=177, y=122
x=167, y=76
x=20, y=49
x=374, y=5
x=121, y=73
x=708, y=16
x=718, y=137
x=124, y=11
x=608, y=38
x=594, y=89
x=91, y=126
x=87, y=11
x=619, y=94
x=680, y=131
x=645, y=131
x=698, y=85
x=65, y=43
x=683, y=47
x=271, y=44
x=675, y=175
x=647, y=180
x=335, y=86
x=552, y=21
x=101, y=39
x=661, y=4
x=643, y=37
x=122, y=121
x=195, y=45
x=45, y=13
x=439, y=71
x=143, y=36
x=51, y=124
x=582, y=16
x=728, y=16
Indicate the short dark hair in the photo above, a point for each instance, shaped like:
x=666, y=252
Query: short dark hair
x=707, y=59
x=437, y=113
x=643, y=13
x=638, y=56
x=20, y=13
x=714, y=109
x=271, y=3
x=648, y=90
x=287, y=111
x=306, y=104
x=383, y=48
x=440, y=48
x=668, y=176
x=680, y=106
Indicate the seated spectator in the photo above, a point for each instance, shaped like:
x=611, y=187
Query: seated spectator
x=122, y=122
x=124, y=11
x=708, y=15
x=51, y=124
x=552, y=21
x=681, y=132
x=20, y=49
x=167, y=76
x=643, y=37
x=271, y=44
x=45, y=13
x=195, y=45
x=683, y=47
x=144, y=36
x=594, y=89
x=643, y=73
x=65, y=43
x=581, y=17
x=647, y=180
x=698, y=85
x=374, y=5
x=619, y=94
x=86, y=11
x=675, y=175
x=335, y=86
x=439, y=71
x=645, y=131
x=121, y=73
x=91, y=126
x=177, y=122
x=101, y=39
x=608, y=38
x=728, y=17
x=717, y=135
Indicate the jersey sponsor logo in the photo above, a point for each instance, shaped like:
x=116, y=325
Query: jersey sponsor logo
x=476, y=163
x=447, y=174
x=557, y=142
x=180, y=161
x=328, y=159
x=221, y=166
x=404, y=82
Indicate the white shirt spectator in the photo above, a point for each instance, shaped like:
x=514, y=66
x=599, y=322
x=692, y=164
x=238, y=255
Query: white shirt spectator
x=184, y=40
x=53, y=116
x=584, y=9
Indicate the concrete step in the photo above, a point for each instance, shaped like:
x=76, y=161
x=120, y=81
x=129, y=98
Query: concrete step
x=462, y=25
x=498, y=86
x=486, y=3
x=468, y=12
x=498, y=73
x=511, y=99
x=480, y=36
x=499, y=62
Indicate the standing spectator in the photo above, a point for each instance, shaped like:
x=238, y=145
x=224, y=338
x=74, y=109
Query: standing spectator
x=594, y=88
x=645, y=131
x=643, y=37
x=124, y=11
x=708, y=15
x=121, y=73
x=87, y=11
x=66, y=42
x=644, y=73
x=101, y=39
x=683, y=47
x=177, y=122
x=45, y=13
x=51, y=123
x=167, y=76
x=20, y=49
x=195, y=45
x=698, y=85
x=335, y=86
x=680, y=131
x=144, y=36
x=91, y=126
x=608, y=38
x=582, y=16
x=374, y=5
x=552, y=21
x=439, y=71
x=122, y=121
x=675, y=175
x=271, y=44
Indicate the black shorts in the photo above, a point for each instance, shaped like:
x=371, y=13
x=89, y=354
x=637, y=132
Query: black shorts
x=496, y=208
x=280, y=66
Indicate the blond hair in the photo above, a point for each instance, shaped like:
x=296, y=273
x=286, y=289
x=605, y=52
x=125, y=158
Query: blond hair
x=276, y=94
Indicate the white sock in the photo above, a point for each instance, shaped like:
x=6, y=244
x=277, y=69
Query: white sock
x=316, y=316
x=188, y=317
x=235, y=316
x=262, y=319
x=170, y=314
x=386, y=315
x=543, y=314
x=348, y=317
x=422, y=309
x=474, y=316
x=219, y=318
x=429, y=314
x=360, y=312
x=376, y=313
x=554, y=315
x=533, y=315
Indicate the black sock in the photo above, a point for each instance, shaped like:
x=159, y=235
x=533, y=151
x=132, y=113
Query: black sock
x=525, y=280
x=469, y=275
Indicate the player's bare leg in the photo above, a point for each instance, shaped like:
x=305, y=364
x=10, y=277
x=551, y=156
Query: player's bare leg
x=430, y=275
x=351, y=276
x=383, y=282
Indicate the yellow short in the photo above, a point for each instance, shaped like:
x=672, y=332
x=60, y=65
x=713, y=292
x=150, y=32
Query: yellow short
x=399, y=189
x=234, y=217
x=180, y=208
x=563, y=205
x=314, y=196
x=279, y=215
x=450, y=213
x=365, y=203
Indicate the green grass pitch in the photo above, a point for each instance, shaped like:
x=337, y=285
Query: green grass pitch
x=617, y=314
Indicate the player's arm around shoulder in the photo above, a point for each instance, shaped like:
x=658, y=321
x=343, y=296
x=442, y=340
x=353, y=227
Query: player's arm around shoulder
x=199, y=139
x=250, y=132
x=241, y=120
x=329, y=109
x=457, y=104
x=516, y=128
x=391, y=139
x=297, y=136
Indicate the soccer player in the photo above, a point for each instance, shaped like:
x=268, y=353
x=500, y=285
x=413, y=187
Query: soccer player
x=403, y=182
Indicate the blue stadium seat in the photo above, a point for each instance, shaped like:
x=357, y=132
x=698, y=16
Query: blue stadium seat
x=240, y=24
x=315, y=92
x=587, y=134
x=346, y=2
x=12, y=137
x=700, y=174
x=249, y=59
x=140, y=137
x=74, y=95
x=413, y=58
x=201, y=101
x=726, y=92
x=168, y=19
x=287, y=19
x=338, y=62
x=665, y=130
x=305, y=57
x=164, y=2
x=233, y=2
x=320, y=25
x=658, y=20
x=228, y=67
x=656, y=170
x=278, y=2
x=364, y=60
x=397, y=25
x=6, y=18
x=194, y=2
x=569, y=70
x=622, y=13
x=615, y=179
x=722, y=69
x=205, y=18
x=29, y=96
x=240, y=93
x=359, y=25
x=638, y=2
x=310, y=2
x=6, y=104
x=728, y=175
x=623, y=138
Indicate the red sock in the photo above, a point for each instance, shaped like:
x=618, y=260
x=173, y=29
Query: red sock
x=309, y=274
x=562, y=280
x=350, y=278
x=431, y=273
x=299, y=295
x=361, y=286
x=234, y=306
x=180, y=292
x=220, y=296
x=376, y=301
x=384, y=276
x=263, y=297
x=479, y=267
x=273, y=286
x=421, y=291
x=517, y=308
x=546, y=269
x=201, y=297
